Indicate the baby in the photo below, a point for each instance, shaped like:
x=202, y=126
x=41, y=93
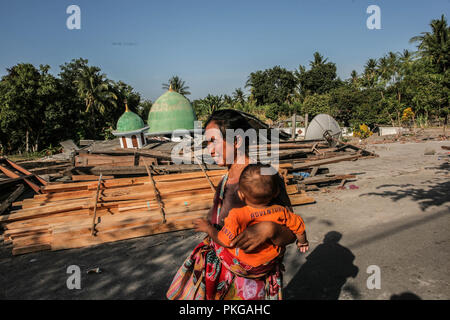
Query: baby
x=257, y=191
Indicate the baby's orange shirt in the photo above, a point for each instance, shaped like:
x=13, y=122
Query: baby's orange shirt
x=239, y=219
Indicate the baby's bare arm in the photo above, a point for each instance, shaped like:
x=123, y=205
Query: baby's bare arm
x=203, y=225
x=301, y=238
x=302, y=242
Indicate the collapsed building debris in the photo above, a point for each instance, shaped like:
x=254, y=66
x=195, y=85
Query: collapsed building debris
x=121, y=194
x=62, y=216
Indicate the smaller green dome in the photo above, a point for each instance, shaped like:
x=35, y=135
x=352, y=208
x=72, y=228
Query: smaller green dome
x=129, y=121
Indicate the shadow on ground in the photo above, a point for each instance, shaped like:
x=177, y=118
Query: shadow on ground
x=140, y=268
x=431, y=193
x=405, y=296
x=324, y=273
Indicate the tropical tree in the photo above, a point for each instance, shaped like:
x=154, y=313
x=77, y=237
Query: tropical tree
x=427, y=91
x=319, y=79
x=124, y=91
x=354, y=78
x=144, y=108
x=435, y=45
x=239, y=96
x=21, y=109
x=385, y=69
x=95, y=90
x=370, y=74
x=318, y=103
x=177, y=85
x=228, y=101
x=206, y=106
x=73, y=104
x=271, y=85
x=318, y=60
x=407, y=57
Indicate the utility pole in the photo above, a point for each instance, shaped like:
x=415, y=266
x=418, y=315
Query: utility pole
x=294, y=124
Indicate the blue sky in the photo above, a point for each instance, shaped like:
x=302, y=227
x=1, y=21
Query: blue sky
x=212, y=45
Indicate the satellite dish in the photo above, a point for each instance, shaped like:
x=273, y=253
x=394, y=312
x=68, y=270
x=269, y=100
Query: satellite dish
x=321, y=126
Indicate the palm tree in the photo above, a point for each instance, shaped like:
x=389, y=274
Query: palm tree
x=370, y=73
x=239, y=96
x=212, y=103
x=300, y=76
x=318, y=60
x=177, y=85
x=435, y=45
x=95, y=91
x=228, y=100
x=407, y=56
x=384, y=69
x=125, y=91
x=354, y=79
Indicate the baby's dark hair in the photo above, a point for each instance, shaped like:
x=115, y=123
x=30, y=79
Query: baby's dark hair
x=259, y=188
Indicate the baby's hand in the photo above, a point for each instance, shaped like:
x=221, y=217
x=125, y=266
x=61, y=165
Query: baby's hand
x=202, y=225
x=303, y=247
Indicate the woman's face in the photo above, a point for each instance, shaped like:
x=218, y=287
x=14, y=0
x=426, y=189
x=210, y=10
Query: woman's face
x=218, y=146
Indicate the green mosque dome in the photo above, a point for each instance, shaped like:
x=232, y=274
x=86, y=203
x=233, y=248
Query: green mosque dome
x=129, y=121
x=171, y=111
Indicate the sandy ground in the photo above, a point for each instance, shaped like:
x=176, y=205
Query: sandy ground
x=398, y=219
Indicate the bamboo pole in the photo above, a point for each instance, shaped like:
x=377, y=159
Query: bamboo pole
x=157, y=194
x=206, y=174
x=95, y=206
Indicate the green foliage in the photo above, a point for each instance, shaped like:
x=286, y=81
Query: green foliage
x=38, y=110
x=271, y=85
x=177, y=85
x=435, y=45
x=319, y=79
x=144, y=108
x=275, y=111
x=318, y=103
x=25, y=93
x=205, y=107
x=239, y=97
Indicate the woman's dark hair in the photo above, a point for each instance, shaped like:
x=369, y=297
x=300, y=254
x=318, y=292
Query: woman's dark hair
x=230, y=119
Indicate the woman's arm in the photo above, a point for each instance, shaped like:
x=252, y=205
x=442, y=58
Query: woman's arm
x=259, y=233
x=282, y=236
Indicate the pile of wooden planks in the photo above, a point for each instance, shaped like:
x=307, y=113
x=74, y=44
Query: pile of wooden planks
x=85, y=212
x=92, y=159
x=113, y=195
x=14, y=183
x=302, y=154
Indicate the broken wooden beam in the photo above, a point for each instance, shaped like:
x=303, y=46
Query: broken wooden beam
x=13, y=175
x=12, y=197
x=308, y=164
x=319, y=180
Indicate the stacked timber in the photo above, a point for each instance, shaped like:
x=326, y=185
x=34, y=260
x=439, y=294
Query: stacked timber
x=14, y=180
x=302, y=154
x=91, y=159
x=85, y=212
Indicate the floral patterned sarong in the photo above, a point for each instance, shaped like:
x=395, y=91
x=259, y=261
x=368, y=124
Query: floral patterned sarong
x=212, y=273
